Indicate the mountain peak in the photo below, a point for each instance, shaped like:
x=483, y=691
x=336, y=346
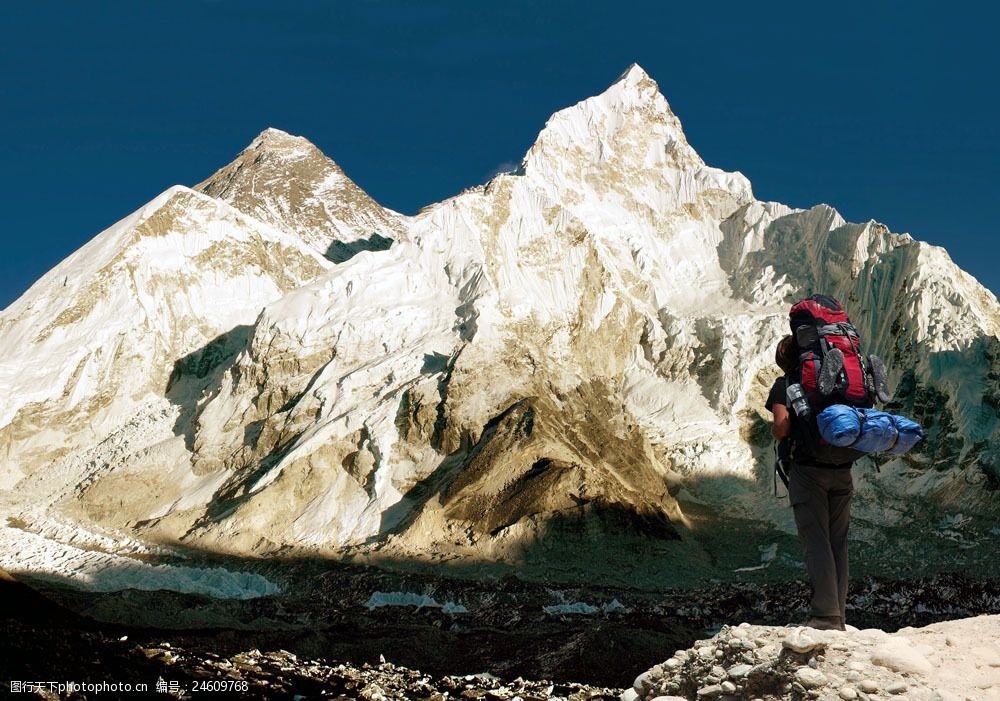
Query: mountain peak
x=634, y=75
x=273, y=140
x=277, y=137
x=288, y=182
x=628, y=128
x=275, y=133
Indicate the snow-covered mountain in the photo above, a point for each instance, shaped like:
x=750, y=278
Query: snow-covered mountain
x=573, y=355
x=287, y=182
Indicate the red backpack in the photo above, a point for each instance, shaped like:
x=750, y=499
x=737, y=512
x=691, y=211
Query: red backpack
x=832, y=369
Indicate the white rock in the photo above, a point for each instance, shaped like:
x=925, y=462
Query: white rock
x=848, y=693
x=900, y=657
x=629, y=695
x=641, y=682
x=869, y=686
x=989, y=655
x=800, y=640
x=739, y=671
x=810, y=678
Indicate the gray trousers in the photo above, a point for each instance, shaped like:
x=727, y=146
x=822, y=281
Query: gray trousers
x=821, y=500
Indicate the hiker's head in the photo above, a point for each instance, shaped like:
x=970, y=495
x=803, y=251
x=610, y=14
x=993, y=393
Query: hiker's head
x=787, y=355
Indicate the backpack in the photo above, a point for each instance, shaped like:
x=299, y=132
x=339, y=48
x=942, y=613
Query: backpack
x=832, y=370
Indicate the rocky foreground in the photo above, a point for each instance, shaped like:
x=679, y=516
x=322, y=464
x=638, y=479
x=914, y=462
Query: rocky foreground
x=950, y=661
x=536, y=655
x=48, y=651
x=167, y=671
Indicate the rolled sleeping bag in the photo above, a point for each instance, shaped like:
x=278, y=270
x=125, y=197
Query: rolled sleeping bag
x=878, y=432
x=909, y=433
x=868, y=430
x=840, y=425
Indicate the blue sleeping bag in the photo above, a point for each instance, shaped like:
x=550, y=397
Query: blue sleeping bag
x=868, y=430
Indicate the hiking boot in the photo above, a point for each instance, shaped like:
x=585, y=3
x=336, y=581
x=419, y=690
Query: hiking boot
x=880, y=378
x=833, y=363
x=825, y=623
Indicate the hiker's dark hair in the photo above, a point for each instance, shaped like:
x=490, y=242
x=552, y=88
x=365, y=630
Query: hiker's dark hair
x=786, y=355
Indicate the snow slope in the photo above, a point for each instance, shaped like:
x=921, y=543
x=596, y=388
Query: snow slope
x=100, y=334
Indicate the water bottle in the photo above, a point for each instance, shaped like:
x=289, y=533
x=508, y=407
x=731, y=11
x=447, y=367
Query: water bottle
x=797, y=400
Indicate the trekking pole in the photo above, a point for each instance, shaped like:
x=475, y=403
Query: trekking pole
x=780, y=470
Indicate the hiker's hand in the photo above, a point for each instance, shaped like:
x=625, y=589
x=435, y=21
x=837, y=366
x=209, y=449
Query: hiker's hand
x=782, y=425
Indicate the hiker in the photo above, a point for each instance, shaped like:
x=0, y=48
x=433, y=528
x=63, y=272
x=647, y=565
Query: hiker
x=820, y=496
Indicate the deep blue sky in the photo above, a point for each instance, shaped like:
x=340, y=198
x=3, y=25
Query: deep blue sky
x=885, y=112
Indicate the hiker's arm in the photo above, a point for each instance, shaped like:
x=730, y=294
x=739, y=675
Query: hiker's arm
x=782, y=425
